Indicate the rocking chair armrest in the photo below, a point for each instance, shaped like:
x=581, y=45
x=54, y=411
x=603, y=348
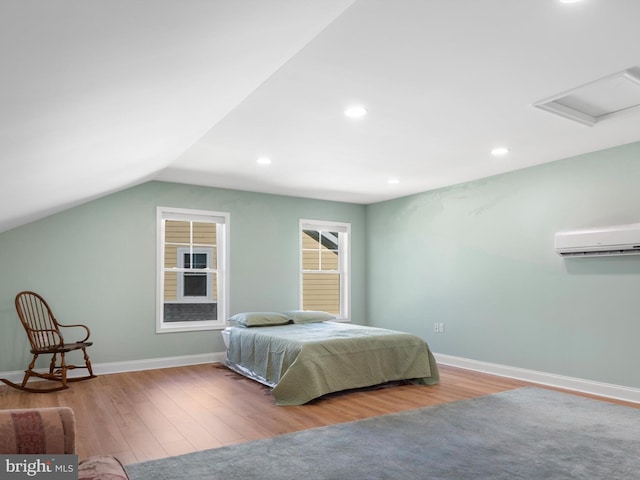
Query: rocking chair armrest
x=78, y=325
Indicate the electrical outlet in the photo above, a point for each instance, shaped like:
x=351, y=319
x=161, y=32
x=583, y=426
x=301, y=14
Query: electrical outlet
x=436, y=328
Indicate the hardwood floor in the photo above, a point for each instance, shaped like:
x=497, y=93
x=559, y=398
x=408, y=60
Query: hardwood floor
x=151, y=414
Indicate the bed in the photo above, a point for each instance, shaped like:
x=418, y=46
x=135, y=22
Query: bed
x=304, y=355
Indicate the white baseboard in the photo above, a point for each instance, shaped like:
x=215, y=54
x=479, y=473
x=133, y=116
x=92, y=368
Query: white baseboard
x=132, y=365
x=617, y=392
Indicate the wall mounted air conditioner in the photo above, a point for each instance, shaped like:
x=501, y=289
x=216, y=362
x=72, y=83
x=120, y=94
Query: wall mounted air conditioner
x=604, y=241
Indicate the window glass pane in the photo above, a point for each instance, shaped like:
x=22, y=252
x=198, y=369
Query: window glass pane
x=321, y=292
x=329, y=240
x=195, y=260
x=202, y=305
x=170, y=285
x=310, y=239
x=170, y=256
x=311, y=260
x=177, y=232
x=329, y=260
x=199, y=260
x=204, y=233
x=213, y=260
x=214, y=286
x=195, y=285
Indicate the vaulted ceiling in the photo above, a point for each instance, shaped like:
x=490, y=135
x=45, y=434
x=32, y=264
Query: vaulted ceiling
x=100, y=95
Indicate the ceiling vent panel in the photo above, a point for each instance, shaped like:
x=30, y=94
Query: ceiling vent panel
x=597, y=100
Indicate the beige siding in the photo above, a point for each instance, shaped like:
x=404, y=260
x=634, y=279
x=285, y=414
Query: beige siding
x=204, y=234
x=308, y=242
x=176, y=232
x=170, y=286
x=321, y=292
x=214, y=287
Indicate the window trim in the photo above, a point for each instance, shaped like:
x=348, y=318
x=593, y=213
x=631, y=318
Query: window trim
x=344, y=263
x=222, y=220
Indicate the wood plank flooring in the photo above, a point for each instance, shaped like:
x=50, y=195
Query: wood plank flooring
x=151, y=414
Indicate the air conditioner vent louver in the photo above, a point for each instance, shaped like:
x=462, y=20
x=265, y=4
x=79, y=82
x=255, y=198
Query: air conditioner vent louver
x=602, y=253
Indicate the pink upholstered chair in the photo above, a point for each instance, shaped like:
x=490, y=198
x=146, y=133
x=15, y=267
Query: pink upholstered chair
x=52, y=431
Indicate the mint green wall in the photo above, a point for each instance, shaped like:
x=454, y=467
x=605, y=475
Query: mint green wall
x=96, y=264
x=480, y=258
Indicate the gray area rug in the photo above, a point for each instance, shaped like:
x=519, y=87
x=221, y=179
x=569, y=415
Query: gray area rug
x=529, y=433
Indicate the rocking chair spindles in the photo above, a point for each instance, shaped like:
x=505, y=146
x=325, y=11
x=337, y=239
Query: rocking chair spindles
x=45, y=336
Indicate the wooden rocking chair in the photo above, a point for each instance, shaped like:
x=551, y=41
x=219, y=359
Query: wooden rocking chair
x=45, y=337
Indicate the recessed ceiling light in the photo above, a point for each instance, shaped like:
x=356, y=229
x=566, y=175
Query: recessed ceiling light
x=355, y=111
x=499, y=151
x=570, y=1
x=393, y=180
x=263, y=161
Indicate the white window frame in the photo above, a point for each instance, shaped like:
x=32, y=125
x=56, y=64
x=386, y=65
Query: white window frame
x=222, y=221
x=344, y=261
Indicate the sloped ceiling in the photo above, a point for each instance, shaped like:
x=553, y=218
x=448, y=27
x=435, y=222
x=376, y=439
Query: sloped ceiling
x=100, y=95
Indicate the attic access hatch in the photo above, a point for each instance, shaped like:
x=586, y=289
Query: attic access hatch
x=597, y=100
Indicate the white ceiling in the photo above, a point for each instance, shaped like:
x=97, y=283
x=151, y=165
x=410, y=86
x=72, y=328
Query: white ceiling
x=100, y=95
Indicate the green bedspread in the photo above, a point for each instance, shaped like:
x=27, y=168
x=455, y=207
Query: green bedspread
x=305, y=361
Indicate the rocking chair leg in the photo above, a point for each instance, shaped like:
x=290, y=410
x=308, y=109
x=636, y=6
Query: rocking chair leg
x=63, y=370
x=27, y=372
x=52, y=364
x=25, y=379
x=87, y=362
